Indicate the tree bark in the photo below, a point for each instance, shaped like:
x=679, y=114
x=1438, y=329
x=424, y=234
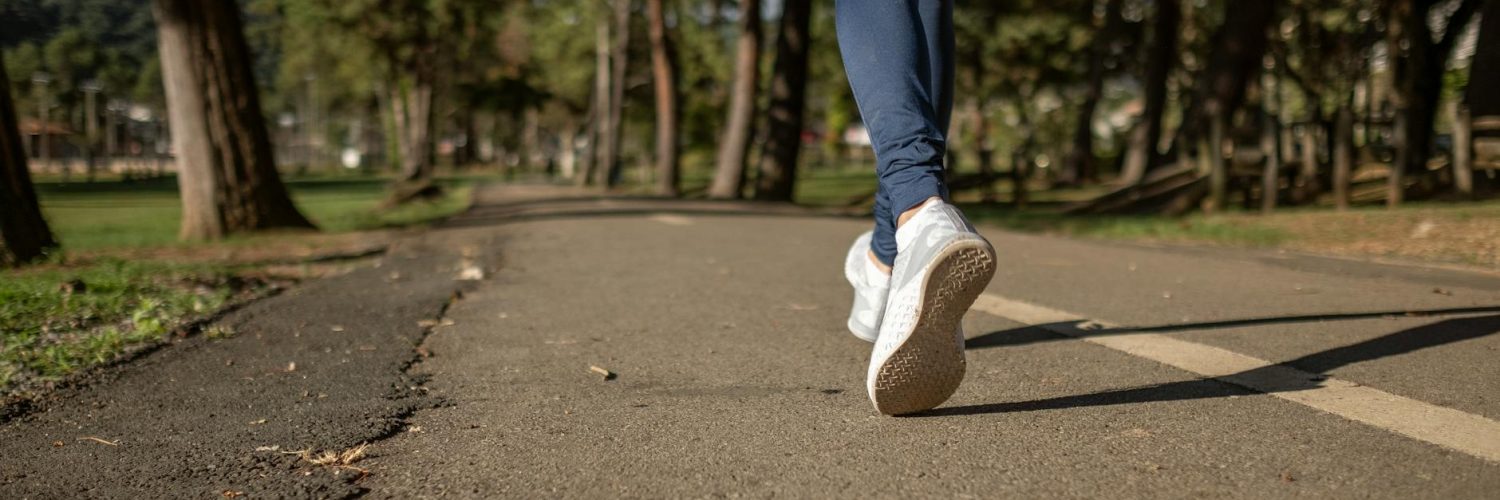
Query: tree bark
x=599, y=131
x=1308, y=186
x=1343, y=155
x=1080, y=165
x=567, y=144
x=1141, y=156
x=1235, y=58
x=778, y=165
x=664, y=73
x=24, y=235
x=609, y=167
x=984, y=150
x=1480, y=97
x=734, y=146
x=1212, y=157
x=411, y=96
x=1420, y=83
x=1463, y=151
x=1270, y=137
x=532, y=155
x=226, y=169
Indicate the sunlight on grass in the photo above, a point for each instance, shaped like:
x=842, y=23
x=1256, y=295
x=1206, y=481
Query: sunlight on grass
x=146, y=213
x=57, y=319
x=65, y=315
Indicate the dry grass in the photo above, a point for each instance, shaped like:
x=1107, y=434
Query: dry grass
x=331, y=458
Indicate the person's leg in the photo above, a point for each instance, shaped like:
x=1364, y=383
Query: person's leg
x=937, y=28
x=897, y=56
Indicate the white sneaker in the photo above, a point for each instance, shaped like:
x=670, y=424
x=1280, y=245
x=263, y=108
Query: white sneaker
x=870, y=288
x=942, y=265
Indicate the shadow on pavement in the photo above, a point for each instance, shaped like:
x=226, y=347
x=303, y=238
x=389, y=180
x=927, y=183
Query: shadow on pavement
x=594, y=206
x=1029, y=334
x=1405, y=341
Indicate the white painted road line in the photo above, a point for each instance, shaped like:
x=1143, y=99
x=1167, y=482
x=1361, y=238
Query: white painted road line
x=1462, y=432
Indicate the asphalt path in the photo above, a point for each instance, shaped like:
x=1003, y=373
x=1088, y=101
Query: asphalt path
x=1095, y=369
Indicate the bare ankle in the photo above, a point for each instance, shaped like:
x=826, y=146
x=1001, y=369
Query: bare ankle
x=912, y=212
x=878, y=264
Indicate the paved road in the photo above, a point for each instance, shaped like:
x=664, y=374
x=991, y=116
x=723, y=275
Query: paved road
x=1096, y=369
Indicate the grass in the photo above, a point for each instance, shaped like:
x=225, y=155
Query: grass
x=110, y=215
x=52, y=329
x=97, y=298
x=1201, y=229
x=1452, y=233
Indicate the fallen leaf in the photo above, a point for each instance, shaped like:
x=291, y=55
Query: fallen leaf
x=470, y=273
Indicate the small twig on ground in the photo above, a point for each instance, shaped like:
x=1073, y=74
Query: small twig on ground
x=99, y=440
x=608, y=375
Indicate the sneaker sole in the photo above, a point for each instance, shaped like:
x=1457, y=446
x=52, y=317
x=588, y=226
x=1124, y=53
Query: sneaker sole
x=928, y=366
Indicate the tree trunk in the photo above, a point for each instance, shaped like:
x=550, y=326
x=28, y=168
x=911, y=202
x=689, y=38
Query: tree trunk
x=1463, y=151
x=609, y=167
x=1235, y=57
x=1308, y=186
x=1080, y=165
x=778, y=165
x=734, y=146
x=1020, y=168
x=413, y=112
x=567, y=143
x=24, y=235
x=1484, y=71
x=1270, y=137
x=599, y=110
x=664, y=73
x=1212, y=157
x=226, y=168
x=531, y=140
x=1141, y=155
x=1420, y=83
x=1343, y=155
x=984, y=151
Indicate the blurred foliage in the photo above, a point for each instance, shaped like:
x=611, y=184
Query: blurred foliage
x=1026, y=61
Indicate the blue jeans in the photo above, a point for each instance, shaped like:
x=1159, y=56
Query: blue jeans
x=898, y=55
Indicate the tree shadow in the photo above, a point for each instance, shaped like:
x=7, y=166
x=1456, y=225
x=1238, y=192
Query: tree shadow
x=1040, y=333
x=614, y=206
x=1317, y=364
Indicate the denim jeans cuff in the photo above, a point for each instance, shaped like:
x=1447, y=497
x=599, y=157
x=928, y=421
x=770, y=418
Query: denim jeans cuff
x=907, y=197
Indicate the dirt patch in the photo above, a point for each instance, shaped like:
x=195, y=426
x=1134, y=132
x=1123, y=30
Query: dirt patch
x=1447, y=235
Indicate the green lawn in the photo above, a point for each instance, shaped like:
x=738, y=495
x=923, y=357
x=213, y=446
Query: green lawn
x=48, y=329
x=146, y=213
